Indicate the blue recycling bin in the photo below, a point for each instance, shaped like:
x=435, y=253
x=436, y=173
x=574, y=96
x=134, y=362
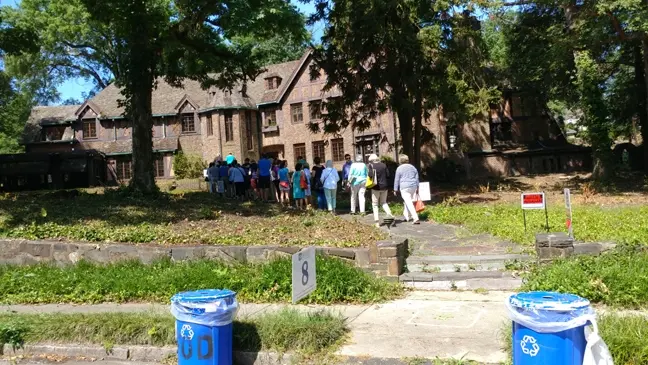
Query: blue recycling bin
x=204, y=326
x=549, y=328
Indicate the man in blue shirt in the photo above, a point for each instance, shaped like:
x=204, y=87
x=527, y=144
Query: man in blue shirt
x=229, y=159
x=345, y=169
x=264, y=177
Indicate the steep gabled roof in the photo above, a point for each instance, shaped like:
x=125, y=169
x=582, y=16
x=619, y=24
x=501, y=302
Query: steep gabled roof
x=47, y=115
x=87, y=104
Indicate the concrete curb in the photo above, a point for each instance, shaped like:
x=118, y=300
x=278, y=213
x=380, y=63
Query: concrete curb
x=139, y=353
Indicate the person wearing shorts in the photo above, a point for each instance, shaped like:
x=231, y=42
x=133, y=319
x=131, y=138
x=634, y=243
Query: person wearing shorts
x=265, y=165
x=284, y=184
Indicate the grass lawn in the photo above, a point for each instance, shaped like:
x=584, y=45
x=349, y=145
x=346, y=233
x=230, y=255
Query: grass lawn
x=618, y=278
x=284, y=331
x=184, y=218
x=132, y=281
x=621, y=224
x=625, y=336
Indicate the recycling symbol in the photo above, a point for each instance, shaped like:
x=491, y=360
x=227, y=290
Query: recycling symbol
x=186, y=332
x=529, y=346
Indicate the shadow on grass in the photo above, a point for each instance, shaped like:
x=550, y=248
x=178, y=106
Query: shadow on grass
x=118, y=208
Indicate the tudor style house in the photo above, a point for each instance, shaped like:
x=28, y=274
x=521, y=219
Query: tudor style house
x=270, y=115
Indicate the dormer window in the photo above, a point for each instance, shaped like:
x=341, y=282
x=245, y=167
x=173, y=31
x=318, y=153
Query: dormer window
x=272, y=81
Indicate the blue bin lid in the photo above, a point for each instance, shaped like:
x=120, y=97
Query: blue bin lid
x=547, y=300
x=202, y=296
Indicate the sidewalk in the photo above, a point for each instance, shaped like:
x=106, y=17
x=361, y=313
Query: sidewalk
x=459, y=325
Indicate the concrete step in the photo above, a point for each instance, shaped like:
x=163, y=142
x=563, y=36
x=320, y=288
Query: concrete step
x=459, y=263
x=471, y=280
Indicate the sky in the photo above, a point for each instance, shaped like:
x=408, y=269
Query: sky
x=73, y=88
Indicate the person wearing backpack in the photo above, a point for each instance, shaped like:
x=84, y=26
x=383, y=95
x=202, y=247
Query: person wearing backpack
x=379, y=176
x=300, y=184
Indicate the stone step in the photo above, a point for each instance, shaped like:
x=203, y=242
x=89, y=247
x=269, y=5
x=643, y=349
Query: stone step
x=434, y=264
x=474, y=280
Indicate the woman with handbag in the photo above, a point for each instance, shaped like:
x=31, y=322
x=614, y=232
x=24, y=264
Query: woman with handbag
x=377, y=181
x=300, y=185
x=329, y=180
x=284, y=184
x=358, y=180
x=407, y=182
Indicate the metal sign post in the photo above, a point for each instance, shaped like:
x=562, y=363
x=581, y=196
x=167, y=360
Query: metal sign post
x=304, y=281
x=568, y=211
x=534, y=201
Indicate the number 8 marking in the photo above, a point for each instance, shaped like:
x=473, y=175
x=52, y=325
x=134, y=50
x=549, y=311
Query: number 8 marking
x=305, y=273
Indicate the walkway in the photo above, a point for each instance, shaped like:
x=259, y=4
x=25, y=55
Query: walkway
x=448, y=257
x=422, y=325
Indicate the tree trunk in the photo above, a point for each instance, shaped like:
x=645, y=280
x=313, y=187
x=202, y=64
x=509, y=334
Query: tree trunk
x=644, y=113
x=141, y=116
x=418, y=120
x=405, y=126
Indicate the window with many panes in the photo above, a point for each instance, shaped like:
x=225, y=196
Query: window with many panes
x=159, y=166
x=210, y=126
x=188, y=123
x=90, y=129
x=315, y=109
x=367, y=145
x=297, y=113
x=124, y=170
x=318, y=150
x=270, y=118
x=299, y=151
x=248, y=130
x=229, y=126
x=337, y=149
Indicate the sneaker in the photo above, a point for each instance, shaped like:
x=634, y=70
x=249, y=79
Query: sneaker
x=417, y=222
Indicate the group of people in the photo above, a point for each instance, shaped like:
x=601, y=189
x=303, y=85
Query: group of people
x=317, y=185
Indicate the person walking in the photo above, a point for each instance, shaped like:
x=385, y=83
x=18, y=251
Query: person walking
x=317, y=186
x=265, y=167
x=407, y=181
x=284, y=184
x=329, y=181
x=379, y=173
x=300, y=184
x=357, y=180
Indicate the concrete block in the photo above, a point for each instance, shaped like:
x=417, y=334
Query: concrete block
x=120, y=252
x=41, y=249
x=150, y=353
x=187, y=253
x=394, y=266
x=256, y=254
x=387, y=251
x=273, y=254
x=236, y=252
x=553, y=245
x=11, y=248
x=290, y=250
x=149, y=255
x=341, y=252
x=363, y=257
x=373, y=253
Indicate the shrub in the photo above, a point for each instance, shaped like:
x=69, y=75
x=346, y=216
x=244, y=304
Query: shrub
x=188, y=166
x=618, y=278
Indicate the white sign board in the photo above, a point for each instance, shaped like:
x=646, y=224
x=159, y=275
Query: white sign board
x=424, y=191
x=533, y=200
x=303, y=274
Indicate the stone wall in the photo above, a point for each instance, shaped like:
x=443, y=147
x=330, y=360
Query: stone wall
x=384, y=258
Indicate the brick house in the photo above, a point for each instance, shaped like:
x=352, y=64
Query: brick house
x=270, y=115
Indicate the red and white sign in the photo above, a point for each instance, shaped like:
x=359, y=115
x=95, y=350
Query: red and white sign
x=533, y=200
